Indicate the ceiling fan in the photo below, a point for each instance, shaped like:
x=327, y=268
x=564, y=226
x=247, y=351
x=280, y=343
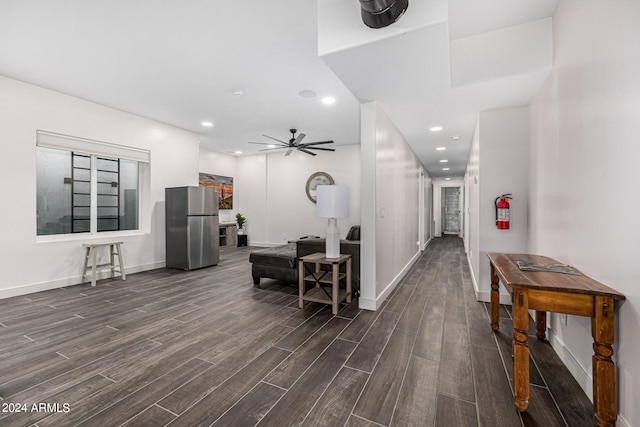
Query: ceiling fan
x=295, y=144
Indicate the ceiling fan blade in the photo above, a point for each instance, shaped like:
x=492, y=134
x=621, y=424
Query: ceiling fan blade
x=306, y=151
x=276, y=139
x=288, y=151
x=274, y=148
x=298, y=139
x=306, y=144
x=317, y=148
x=264, y=143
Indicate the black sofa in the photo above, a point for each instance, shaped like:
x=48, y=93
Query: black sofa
x=281, y=262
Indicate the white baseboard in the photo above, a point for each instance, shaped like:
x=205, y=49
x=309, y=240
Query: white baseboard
x=484, y=296
x=367, y=304
x=70, y=281
x=426, y=244
x=374, y=304
x=473, y=277
x=577, y=371
x=622, y=422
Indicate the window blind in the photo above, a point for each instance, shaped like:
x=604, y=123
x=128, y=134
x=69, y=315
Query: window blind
x=88, y=146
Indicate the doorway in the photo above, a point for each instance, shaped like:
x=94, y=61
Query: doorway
x=450, y=206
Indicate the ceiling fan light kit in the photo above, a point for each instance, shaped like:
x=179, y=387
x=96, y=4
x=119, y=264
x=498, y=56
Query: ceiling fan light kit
x=382, y=13
x=295, y=144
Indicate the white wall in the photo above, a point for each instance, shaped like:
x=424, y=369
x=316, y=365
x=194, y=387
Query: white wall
x=426, y=203
x=390, y=206
x=270, y=190
x=472, y=178
x=31, y=264
x=584, y=161
x=253, y=197
x=291, y=214
x=499, y=158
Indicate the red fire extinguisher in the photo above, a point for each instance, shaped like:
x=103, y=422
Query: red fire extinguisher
x=503, y=213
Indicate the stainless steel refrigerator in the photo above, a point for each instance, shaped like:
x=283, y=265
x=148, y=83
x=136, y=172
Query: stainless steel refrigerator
x=192, y=227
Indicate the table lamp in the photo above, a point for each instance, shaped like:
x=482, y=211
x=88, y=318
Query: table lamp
x=332, y=202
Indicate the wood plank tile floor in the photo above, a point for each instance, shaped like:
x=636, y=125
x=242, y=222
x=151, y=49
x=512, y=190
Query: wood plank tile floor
x=206, y=347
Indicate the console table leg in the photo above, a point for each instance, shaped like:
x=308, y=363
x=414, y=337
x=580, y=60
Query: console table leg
x=541, y=325
x=495, y=300
x=520, y=349
x=604, y=370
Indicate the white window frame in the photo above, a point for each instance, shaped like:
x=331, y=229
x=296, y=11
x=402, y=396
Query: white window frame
x=96, y=149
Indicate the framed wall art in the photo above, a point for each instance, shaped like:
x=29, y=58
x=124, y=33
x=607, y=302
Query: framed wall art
x=224, y=184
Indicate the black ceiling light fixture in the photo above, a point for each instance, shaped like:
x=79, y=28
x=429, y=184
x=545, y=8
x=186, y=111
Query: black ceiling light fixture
x=382, y=13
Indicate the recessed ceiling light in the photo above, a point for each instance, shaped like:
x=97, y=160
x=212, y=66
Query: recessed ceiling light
x=307, y=93
x=207, y=124
x=444, y=161
x=447, y=179
x=441, y=148
x=238, y=152
x=435, y=128
x=328, y=100
x=455, y=137
x=445, y=169
x=237, y=92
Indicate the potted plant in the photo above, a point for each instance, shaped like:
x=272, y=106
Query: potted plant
x=240, y=221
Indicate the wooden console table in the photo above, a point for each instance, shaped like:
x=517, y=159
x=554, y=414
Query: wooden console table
x=310, y=271
x=559, y=293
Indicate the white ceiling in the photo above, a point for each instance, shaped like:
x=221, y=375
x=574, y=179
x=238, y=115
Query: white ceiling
x=178, y=62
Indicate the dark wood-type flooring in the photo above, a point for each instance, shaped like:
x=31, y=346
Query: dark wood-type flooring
x=206, y=347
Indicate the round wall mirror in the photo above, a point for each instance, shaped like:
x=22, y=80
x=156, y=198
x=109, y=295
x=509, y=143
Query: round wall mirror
x=318, y=178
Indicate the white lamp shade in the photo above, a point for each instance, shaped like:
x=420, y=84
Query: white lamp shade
x=332, y=201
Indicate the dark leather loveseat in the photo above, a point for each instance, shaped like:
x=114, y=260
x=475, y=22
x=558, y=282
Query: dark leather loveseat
x=281, y=262
x=278, y=263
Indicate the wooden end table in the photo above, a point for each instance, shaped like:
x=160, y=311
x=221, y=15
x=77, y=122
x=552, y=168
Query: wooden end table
x=544, y=292
x=327, y=288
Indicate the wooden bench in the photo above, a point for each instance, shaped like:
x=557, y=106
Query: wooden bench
x=574, y=294
x=115, y=248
